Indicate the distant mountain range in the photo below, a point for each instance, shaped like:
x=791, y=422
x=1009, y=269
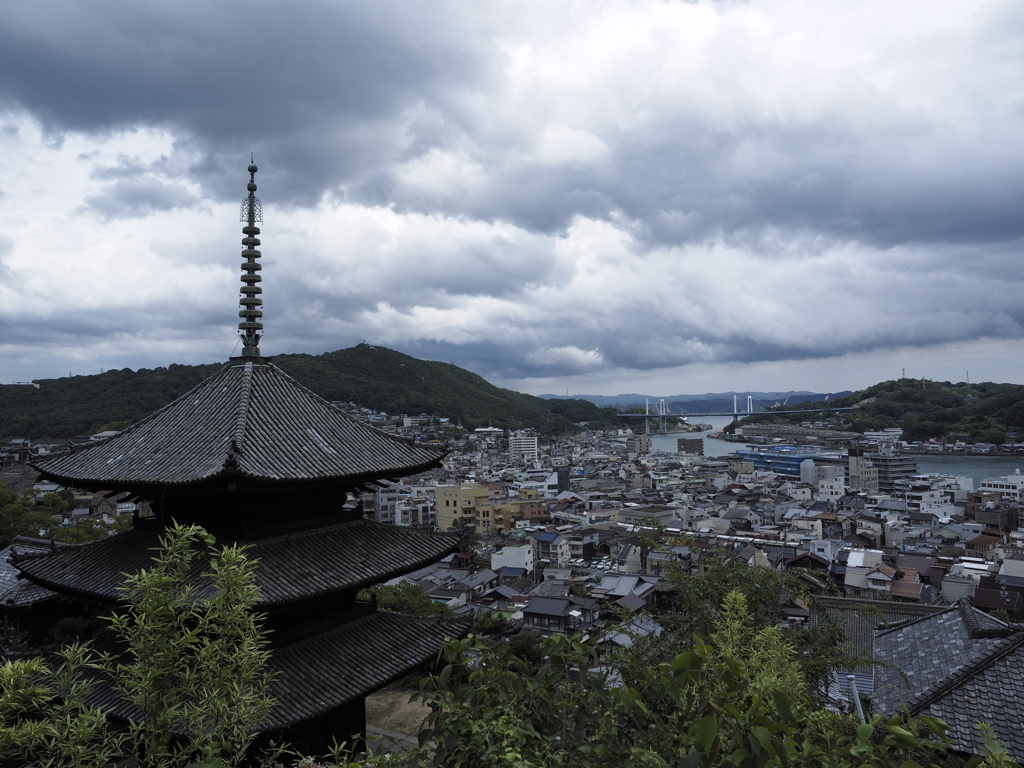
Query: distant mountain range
x=385, y=380
x=710, y=402
x=366, y=375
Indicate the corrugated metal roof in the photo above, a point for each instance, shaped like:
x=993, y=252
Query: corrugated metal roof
x=246, y=421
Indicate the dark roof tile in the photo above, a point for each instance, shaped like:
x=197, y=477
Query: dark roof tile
x=320, y=673
x=249, y=421
x=291, y=568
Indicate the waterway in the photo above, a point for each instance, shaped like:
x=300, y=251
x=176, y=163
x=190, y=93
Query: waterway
x=976, y=467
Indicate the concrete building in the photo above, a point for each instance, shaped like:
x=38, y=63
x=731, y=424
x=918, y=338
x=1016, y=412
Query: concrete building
x=524, y=446
x=468, y=500
x=892, y=467
x=1010, y=486
x=861, y=474
x=514, y=557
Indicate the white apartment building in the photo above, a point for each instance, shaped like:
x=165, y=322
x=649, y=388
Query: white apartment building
x=513, y=557
x=1010, y=486
x=523, y=445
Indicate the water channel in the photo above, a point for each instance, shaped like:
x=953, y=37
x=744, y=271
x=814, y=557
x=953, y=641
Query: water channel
x=977, y=467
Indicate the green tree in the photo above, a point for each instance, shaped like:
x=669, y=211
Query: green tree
x=80, y=532
x=55, y=503
x=574, y=710
x=701, y=600
x=197, y=657
x=489, y=624
x=405, y=597
x=18, y=517
x=194, y=665
x=465, y=527
x=44, y=717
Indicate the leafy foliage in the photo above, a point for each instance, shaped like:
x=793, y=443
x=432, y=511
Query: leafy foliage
x=493, y=708
x=197, y=657
x=44, y=717
x=701, y=601
x=194, y=665
x=19, y=516
x=405, y=597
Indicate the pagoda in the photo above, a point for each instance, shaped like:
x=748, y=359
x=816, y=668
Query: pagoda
x=257, y=459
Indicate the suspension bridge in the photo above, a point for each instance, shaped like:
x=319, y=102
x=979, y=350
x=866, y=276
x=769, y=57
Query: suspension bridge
x=664, y=410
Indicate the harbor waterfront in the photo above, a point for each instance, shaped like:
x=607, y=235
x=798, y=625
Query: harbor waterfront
x=976, y=467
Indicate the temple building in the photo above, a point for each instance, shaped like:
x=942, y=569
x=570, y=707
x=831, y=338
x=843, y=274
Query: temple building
x=257, y=459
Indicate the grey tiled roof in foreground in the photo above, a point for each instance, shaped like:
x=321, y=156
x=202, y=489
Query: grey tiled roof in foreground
x=249, y=421
x=961, y=666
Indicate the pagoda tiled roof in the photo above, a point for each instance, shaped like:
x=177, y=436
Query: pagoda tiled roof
x=353, y=660
x=248, y=421
x=298, y=566
x=320, y=673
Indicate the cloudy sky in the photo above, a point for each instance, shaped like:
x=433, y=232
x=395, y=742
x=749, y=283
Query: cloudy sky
x=593, y=197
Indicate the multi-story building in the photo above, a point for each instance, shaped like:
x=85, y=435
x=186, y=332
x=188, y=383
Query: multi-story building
x=830, y=490
x=416, y=513
x=468, y=500
x=514, y=557
x=550, y=548
x=638, y=445
x=813, y=472
x=385, y=505
x=891, y=467
x=523, y=446
x=1010, y=486
x=861, y=474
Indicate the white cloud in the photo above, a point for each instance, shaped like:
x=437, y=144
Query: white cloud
x=615, y=191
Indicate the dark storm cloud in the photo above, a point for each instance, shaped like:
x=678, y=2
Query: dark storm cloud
x=448, y=181
x=342, y=95
x=134, y=198
x=306, y=82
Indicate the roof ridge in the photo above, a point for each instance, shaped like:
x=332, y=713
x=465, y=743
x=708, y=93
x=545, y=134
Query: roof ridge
x=976, y=626
x=242, y=415
x=964, y=673
x=911, y=622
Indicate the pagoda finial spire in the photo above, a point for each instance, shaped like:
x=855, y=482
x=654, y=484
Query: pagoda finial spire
x=249, y=327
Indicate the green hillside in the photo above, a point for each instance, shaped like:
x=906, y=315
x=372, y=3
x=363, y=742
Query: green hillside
x=374, y=377
x=982, y=412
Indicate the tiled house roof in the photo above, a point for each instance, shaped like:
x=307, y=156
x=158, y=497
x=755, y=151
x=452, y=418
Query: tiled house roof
x=16, y=592
x=988, y=691
x=248, y=421
x=962, y=666
x=860, y=618
x=927, y=651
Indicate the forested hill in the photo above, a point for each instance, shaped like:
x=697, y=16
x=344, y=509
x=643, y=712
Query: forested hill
x=375, y=377
x=985, y=412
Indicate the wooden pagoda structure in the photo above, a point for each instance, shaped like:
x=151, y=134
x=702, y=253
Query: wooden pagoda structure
x=256, y=458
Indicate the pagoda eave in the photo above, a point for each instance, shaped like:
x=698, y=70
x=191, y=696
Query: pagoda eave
x=322, y=562
x=316, y=675
x=149, y=487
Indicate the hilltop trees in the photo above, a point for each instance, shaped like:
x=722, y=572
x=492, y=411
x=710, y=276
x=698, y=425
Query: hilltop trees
x=926, y=409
